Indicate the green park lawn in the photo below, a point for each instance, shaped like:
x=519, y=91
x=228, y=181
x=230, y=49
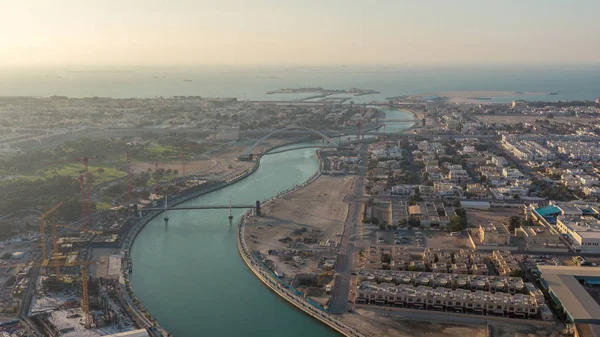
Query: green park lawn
x=74, y=170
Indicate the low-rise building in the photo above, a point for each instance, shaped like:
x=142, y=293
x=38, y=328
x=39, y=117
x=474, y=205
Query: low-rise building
x=477, y=191
x=565, y=284
x=541, y=237
x=505, y=262
x=494, y=234
x=583, y=233
x=457, y=301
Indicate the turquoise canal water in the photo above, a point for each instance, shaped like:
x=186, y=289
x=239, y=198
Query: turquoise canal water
x=190, y=277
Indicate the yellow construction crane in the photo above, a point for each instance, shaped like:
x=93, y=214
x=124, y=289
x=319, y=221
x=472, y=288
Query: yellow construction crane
x=54, y=238
x=43, y=228
x=54, y=243
x=85, y=299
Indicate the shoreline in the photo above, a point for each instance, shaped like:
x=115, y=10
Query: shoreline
x=280, y=289
x=128, y=292
x=134, y=303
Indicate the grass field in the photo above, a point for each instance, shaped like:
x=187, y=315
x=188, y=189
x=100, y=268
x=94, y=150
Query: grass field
x=152, y=182
x=159, y=149
x=103, y=205
x=74, y=170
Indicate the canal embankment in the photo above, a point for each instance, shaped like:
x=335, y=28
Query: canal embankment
x=139, y=312
x=275, y=284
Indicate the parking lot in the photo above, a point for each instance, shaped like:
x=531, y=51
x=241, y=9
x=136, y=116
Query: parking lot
x=415, y=238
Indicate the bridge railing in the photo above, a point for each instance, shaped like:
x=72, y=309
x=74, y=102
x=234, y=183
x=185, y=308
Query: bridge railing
x=316, y=132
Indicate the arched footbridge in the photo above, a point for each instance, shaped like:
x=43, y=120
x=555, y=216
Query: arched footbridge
x=329, y=143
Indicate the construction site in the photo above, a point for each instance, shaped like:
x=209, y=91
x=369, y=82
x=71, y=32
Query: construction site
x=57, y=295
x=52, y=288
x=71, y=277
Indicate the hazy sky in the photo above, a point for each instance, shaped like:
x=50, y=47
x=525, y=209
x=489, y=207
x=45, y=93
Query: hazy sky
x=182, y=32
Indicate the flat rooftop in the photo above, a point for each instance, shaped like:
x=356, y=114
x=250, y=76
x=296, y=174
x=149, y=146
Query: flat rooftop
x=133, y=333
x=587, y=227
x=563, y=283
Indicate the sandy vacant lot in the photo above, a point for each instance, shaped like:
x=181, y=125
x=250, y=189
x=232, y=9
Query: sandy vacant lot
x=512, y=119
x=219, y=165
x=371, y=325
x=318, y=206
x=444, y=240
x=478, y=217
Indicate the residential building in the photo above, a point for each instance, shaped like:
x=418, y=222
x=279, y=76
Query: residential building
x=494, y=234
x=477, y=191
x=456, y=301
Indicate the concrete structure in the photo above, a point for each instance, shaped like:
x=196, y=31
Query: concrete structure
x=476, y=191
x=475, y=204
x=133, y=333
x=458, y=176
x=583, y=233
x=459, y=300
x=539, y=237
x=505, y=262
x=430, y=213
x=518, y=103
x=494, y=234
x=565, y=284
x=403, y=190
x=528, y=150
x=473, y=282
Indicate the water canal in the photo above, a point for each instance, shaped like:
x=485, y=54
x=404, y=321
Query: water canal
x=190, y=277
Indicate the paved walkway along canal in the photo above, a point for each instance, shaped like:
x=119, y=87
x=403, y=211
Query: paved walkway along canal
x=190, y=276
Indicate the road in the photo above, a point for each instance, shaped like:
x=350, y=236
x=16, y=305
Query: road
x=345, y=261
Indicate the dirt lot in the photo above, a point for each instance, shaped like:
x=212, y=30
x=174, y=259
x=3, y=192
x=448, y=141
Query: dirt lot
x=371, y=325
x=218, y=165
x=512, y=119
x=477, y=217
x=445, y=240
x=318, y=207
x=515, y=330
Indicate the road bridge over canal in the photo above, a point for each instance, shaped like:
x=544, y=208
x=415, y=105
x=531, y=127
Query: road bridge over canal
x=183, y=208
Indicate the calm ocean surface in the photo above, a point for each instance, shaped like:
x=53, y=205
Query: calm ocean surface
x=570, y=82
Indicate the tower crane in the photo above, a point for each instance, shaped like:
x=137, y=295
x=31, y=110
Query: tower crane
x=84, y=218
x=54, y=242
x=129, y=182
x=183, y=165
x=87, y=194
x=42, y=221
x=86, y=160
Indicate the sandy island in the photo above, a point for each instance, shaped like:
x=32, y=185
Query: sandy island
x=476, y=96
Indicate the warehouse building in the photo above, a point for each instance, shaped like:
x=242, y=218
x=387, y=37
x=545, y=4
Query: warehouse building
x=566, y=286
